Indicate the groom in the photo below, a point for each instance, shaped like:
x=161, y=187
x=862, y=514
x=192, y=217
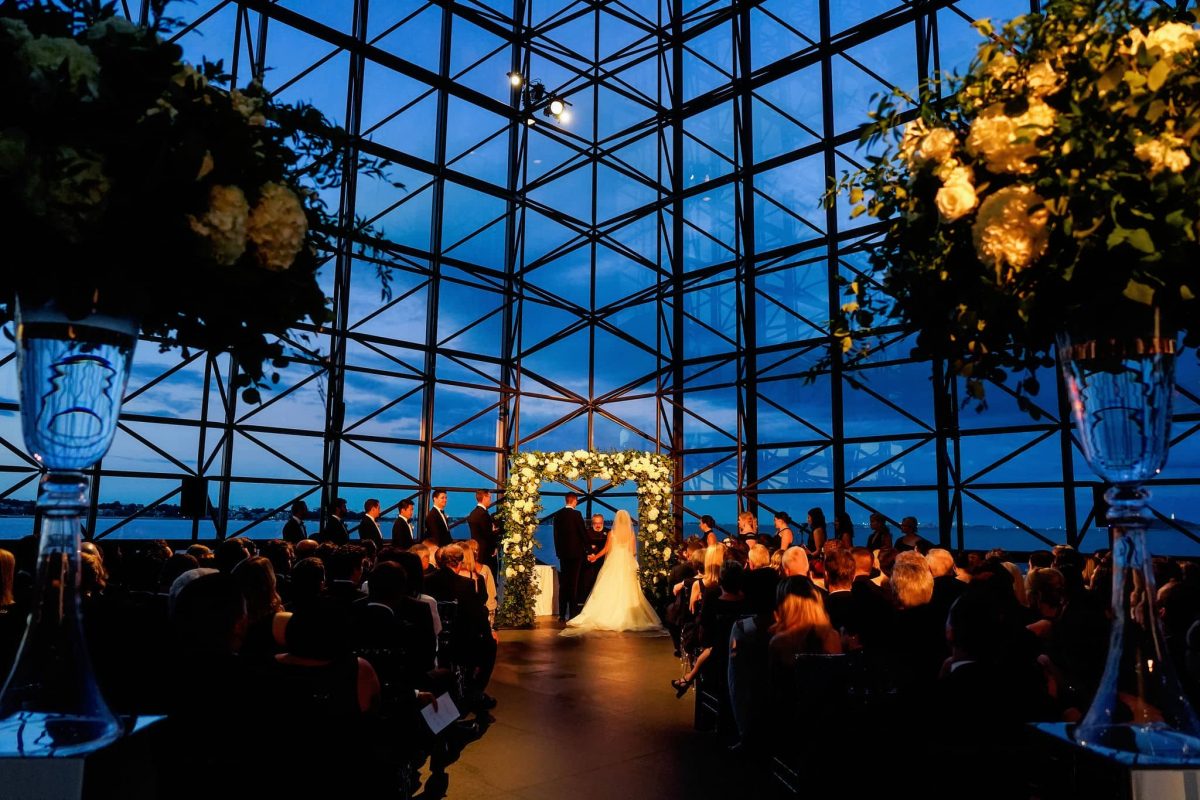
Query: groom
x=570, y=544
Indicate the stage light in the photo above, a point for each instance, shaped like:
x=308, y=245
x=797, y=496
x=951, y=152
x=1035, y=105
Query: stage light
x=557, y=107
x=530, y=121
x=564, y=117
x=515, y=79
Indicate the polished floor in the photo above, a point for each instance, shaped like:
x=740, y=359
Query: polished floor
x=593, y=718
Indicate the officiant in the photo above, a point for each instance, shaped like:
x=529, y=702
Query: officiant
x=597, y=536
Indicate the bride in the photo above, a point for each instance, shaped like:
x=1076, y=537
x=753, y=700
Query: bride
x=616, y=602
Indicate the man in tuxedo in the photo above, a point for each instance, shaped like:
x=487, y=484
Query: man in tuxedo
x=335, y=527
x=437, y=525
x=368, y=526
x=597, y=536
x=570, y=545
x=483, y=529
x=403, y=534
x=293, y=529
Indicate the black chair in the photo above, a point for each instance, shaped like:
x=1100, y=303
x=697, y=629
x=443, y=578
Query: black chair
x=816, y=694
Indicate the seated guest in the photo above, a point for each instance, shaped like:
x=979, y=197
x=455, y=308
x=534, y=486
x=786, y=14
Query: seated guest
x=747, y=680
x=801, y=624
x=266, y=619
x=384, y=628
x=482, y=574
x=918, y=646
x=282, y=556
x=306, y=548
x=175, y=566
x=714, y=559
x=230, y=553
x=416, y=589
x=839, y=580
x=345, y=573
x=203, y=555
x=12, y=616
x=721, y=607
x=761, y=580
x=873, y=610
x=308, y=584
x=946, y=586
x=473, y=642
x=795, y=562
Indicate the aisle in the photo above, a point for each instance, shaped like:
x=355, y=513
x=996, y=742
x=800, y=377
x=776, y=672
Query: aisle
x=590, y=718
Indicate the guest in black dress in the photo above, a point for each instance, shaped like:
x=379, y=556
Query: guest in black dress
x=880, y=537
x=266, y=618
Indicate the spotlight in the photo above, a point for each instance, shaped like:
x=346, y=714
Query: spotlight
x=515, y=79
x=557, y=107
x=564, y=117
x=530, y=121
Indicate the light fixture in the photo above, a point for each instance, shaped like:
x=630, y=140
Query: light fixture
x=535, y=97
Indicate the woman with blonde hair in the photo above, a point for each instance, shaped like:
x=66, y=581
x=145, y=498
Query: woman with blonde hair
x=8, y=572
x=747, y=527
x=714, y=559
x=475, y=567
x=801, y=622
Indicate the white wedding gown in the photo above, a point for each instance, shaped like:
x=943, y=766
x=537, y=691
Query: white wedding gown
x=616, y=602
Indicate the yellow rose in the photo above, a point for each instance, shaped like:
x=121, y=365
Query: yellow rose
x=1011, y=231
x=1173, y=38
x=1005, y=143
x=914, y=132
x=1165, y=152
x=957, y=196
x=937, y=146
x=1042, y=80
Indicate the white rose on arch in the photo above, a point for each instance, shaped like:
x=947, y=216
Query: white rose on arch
x=666, y=552
x=572, y=474
x=581, y=454
x=658, y=537
x=653, y=513
x=652, y=527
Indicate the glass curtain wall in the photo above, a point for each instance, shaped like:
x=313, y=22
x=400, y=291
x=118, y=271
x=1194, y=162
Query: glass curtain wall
x=655, y=272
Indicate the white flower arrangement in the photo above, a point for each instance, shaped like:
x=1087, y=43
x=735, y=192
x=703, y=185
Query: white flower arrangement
x=522, y=499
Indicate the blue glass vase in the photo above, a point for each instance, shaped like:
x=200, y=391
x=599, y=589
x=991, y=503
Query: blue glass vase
x=1120, y=395
x=73, y=375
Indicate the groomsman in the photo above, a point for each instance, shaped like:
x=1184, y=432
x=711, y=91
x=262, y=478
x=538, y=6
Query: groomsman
x=483, y=529
x=403, y=534
x=368, y=526
x=437, y=525
x=335, y=527
x=293, y=529
x=570, y=544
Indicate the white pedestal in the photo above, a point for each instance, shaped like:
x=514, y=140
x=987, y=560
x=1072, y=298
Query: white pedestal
x=546, y=577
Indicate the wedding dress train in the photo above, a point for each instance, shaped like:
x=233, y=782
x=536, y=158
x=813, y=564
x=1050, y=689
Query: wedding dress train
x=616, y=602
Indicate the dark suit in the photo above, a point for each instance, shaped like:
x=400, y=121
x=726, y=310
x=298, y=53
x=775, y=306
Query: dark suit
x=588, y=571
x=403, y=534
x=437, y=527
x=570, y=545
x=293, y=531
x=335, y=531
x=483, y=531
x=368, y=530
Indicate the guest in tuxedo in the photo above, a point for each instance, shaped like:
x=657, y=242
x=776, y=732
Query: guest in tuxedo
x=368, y=526
x=437, y=525
x=597, y=536
x=335, y=527
x=403, y=534
x=570, y=545
x=483, y=529
x=293, y=529
x=708, y=530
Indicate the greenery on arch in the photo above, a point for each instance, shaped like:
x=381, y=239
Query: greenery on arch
x=523, y=507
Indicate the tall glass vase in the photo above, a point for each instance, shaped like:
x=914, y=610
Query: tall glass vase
x=1120, y=395
x=73, y=375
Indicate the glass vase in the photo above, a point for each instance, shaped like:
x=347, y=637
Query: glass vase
x=72, y=378
x=1120, y=395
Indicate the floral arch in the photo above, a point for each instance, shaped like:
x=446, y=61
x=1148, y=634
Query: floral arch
x=523, y=507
